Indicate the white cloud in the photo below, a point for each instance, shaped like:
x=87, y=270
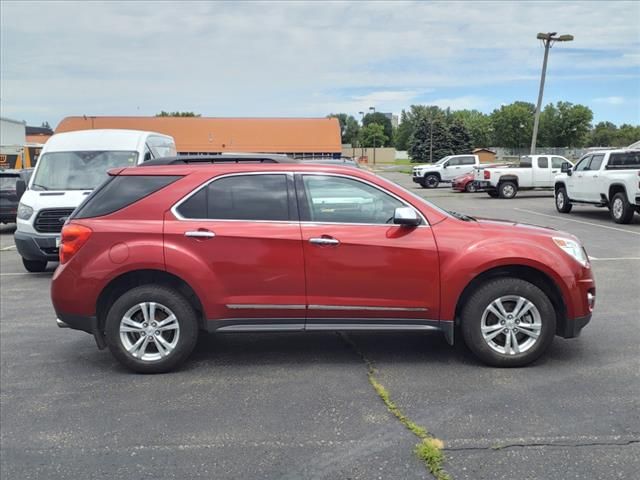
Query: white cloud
x=614, y=100
x=469, y=102
x=291, y=58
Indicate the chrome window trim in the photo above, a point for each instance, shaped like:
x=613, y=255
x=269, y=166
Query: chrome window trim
x=253, y=306
x=174, y=209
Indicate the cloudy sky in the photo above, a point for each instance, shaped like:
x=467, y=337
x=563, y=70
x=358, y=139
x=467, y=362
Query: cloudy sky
x=306, y=59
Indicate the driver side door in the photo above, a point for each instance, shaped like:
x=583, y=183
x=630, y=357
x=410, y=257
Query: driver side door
x=360, y=267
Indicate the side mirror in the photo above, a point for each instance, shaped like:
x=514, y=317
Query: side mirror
x=566, y=168
x=406, y=216
x=445, y=165
x=21, y=187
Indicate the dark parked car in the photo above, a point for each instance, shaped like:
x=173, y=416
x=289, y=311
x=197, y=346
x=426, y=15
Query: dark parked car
x=9, y=197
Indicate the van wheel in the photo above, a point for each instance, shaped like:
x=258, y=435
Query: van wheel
x=563, y=204
x=508, y=322
x=430, y=181
x=34, y=265
x=507, y=190
x=151, y=329
x=621, y=209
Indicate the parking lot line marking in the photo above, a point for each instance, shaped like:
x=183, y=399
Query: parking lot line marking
x=22, y=273
x=576, y=221
x=10, y=247
x=613, y=258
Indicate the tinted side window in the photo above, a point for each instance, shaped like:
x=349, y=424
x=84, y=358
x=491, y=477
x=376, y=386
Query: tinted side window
x=543, y=162
x=343, y=200
x=468, y=161
x=242, y=197
x=582, y=164
x=454, y=162
x=556, y=162
x=596, y=161
x=525, y=162
x=119, y=192
x=624, y=160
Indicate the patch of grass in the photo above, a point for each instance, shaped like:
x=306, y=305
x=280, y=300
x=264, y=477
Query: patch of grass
x=429, y=450
x=405, y=161
x=405, y=170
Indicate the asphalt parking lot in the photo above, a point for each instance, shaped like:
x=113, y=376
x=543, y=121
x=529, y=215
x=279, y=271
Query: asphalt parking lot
x=300, y=405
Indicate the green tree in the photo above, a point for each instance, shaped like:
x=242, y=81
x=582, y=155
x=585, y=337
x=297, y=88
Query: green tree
x=349, y=128
x=373, y=135
x=564, y=125
x=627, y=134
x=380, y=119
x=478, y=125
x=460, y=137
x=177, y=114
x=408, y=121
x=513, y=124
x=403, y=133
x=430, y=140
x=604, y=134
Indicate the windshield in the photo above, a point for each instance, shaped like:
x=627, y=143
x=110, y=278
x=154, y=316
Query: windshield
x=442, y=160
x=78, y=170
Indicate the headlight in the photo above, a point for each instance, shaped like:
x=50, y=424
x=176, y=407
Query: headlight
x=574, y=249
x=24, y=211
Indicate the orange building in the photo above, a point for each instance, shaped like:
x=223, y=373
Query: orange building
x=314, y=137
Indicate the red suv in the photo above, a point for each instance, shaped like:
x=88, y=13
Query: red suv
x=159, y=253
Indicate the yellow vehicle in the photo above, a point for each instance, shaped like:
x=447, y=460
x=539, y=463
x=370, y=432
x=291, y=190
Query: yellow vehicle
x=19, y=157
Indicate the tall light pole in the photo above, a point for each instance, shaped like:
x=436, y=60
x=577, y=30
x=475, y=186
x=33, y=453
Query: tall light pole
x=548, y=39
x=373, y=109
x=361, y=142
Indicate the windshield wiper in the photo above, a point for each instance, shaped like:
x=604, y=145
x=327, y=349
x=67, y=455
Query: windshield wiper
x=40, y=187
x=462, y=216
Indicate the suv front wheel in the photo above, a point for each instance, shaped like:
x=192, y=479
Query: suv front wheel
x=563, y=204
x=508, y=322
x=151, y=329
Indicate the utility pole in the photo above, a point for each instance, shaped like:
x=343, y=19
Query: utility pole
x=548, y=39
x=374, y=138
x=361, y=142
x=430, y=139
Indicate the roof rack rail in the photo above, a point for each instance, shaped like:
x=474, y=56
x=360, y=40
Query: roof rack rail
x=223, y=158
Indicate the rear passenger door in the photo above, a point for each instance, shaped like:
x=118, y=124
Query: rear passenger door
x=239, y=236
x=542, y=176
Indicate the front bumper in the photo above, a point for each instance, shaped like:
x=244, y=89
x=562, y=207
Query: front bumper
x=86, y=324
x=32, y=246
x=572, y=327
x=417, y=178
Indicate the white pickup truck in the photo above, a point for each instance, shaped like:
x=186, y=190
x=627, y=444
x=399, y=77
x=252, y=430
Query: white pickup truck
x=608, y=178
x=533, y=172
x=430, y=175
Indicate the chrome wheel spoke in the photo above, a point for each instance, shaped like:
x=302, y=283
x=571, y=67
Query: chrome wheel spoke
x=169, y=323
x=140, y=347
x=129, y=325
x=529, y=329
x=515, y=346
x=164, y=347
x=507, y=343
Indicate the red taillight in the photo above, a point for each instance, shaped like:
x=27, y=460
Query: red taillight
x=72, y=239
x=487, y=175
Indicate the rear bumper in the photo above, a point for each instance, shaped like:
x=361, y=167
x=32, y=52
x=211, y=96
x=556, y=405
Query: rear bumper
x=482, y=185
x=571, y=328
x=83, y=323
x=36, y=247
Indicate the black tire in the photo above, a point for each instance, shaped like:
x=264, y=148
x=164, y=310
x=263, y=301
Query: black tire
x=430, y=181
x=470, y=188
x=621, y=209
x=507, y=190
x=492, y=193
x=474, y=310
x=563, y=204
x=34, y=265
x=168, y=298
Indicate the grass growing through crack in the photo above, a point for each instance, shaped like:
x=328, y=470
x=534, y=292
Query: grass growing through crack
x=429, y=449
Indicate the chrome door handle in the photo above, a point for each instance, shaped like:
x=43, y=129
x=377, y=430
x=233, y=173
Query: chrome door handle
x=200, y=234
x=324, y=241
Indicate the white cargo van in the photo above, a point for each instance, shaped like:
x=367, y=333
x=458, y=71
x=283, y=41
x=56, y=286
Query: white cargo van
x=70, y=166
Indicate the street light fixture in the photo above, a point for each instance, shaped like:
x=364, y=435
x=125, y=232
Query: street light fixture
x=548, y=39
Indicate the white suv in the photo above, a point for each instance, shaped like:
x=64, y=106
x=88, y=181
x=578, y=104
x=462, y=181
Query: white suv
x=609, y=178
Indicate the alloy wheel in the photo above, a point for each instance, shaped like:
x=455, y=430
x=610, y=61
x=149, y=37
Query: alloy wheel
x=618, y=208
x=511, y=325
x=149, y=331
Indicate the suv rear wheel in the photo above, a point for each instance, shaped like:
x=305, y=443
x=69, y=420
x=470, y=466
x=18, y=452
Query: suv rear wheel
x=508, y=322
x=507, y=190
x=621, y=209
x=430, y=181
x=151, y=329
x=34, y=265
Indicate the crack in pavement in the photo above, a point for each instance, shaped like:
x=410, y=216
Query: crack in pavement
x=622, y=443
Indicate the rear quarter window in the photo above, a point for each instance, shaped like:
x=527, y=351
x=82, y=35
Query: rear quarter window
x=624, y=160
x=119, y=192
